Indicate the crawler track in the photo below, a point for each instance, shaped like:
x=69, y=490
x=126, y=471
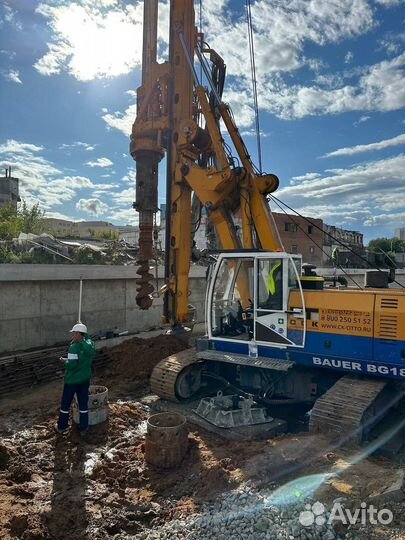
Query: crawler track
x=347, y=409
x=166, y=373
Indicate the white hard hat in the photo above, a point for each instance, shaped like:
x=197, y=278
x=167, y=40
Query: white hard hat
x=79, y=327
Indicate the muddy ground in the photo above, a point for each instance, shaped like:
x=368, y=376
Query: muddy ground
x=68, y=488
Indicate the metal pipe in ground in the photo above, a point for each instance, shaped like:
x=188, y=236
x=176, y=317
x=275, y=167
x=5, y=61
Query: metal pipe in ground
x=166, y=440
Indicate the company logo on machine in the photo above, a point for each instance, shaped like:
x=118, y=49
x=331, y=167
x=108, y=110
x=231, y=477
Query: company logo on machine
x=318, y=515
x=359, y=367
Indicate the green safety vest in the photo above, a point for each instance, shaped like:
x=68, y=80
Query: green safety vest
x=271, y=282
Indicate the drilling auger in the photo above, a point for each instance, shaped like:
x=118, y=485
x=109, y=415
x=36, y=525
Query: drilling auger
x=147, y=151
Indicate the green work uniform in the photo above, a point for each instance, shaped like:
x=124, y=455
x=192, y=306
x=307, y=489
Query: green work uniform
x=78, y=366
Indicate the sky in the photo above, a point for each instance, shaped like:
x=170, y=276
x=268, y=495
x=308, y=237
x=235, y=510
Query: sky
x=331, y=94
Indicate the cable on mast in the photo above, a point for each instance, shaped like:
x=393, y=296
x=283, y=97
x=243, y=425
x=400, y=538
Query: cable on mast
x=254, y=81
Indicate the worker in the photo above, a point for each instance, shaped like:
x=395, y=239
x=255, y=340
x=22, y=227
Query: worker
x=274, y=288
x=78, y=372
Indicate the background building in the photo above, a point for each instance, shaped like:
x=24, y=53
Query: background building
x=9, y=192
x=309, y=237
x=400, y=233
x=302, y=235
x=129, y=233
x=351, y=254
x=80, y=229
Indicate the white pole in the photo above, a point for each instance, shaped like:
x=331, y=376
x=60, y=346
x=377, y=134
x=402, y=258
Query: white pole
x=80, y=301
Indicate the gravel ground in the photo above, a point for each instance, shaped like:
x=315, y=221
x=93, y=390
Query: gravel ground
x=251, y=514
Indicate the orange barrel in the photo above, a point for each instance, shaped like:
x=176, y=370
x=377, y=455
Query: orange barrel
x=166, y=440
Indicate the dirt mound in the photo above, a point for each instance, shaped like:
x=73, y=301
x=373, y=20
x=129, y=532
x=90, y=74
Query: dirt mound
x=4, y=456
x=27, y=527
x=134, y=359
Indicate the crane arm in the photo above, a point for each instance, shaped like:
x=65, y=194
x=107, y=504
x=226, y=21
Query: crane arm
x=177, y=116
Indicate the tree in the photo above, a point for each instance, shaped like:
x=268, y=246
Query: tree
x=385, y=249
x=387, y=244
x=14, y=220
x=32, y=219
x=107, y=235
x=9, y=222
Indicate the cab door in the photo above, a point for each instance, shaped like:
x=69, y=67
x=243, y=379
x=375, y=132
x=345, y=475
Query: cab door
x=275, y=314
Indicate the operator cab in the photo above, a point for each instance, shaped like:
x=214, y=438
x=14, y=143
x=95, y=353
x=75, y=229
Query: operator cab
x=256, y=296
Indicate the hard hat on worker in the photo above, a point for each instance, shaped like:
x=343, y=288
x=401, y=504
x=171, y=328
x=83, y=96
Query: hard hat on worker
x=79, y=327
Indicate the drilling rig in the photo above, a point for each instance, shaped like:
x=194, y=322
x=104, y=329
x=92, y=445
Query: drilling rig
x=272, y=329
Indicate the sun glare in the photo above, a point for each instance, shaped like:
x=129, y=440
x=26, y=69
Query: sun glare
x=96, y=43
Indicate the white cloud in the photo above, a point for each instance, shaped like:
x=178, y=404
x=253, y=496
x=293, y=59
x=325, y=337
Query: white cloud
x=395, y=141
x=102, y=190
x=281, y=33
x=389, y=3
x=105, y=187
x=124, y=197
x=13, y=75
x=358, y=192
x=127, y=216
x=362, y=119
x=59, y=191
x=340, y=214
x=10, y=16
x=307, y=176
x=93, y=207
x=92, y=40
x=282, y=30
x=13, y=146
x=130, y=177
x=40, y=180
x=100, y=162
x=121, y=121
x=380, y=88
x=388, y=220
x=75, y=182
x=78, y=144
x=33, y=170
x=392, y=43
x=348, y=57
x=58, y=215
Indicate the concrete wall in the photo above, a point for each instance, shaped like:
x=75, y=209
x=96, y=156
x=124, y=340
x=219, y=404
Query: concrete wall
x=39, y=303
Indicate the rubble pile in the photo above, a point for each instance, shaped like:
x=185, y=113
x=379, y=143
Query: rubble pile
x=45, y=248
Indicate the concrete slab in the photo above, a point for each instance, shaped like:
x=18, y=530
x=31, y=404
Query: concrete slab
x=138, y=320
x=257, y=432
x=62, y=272
x=55, y=328
x=15, y=334
x=100, y=321
x=111, y=293
x=43, y=301
x=21, y=300
x=53, y=302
